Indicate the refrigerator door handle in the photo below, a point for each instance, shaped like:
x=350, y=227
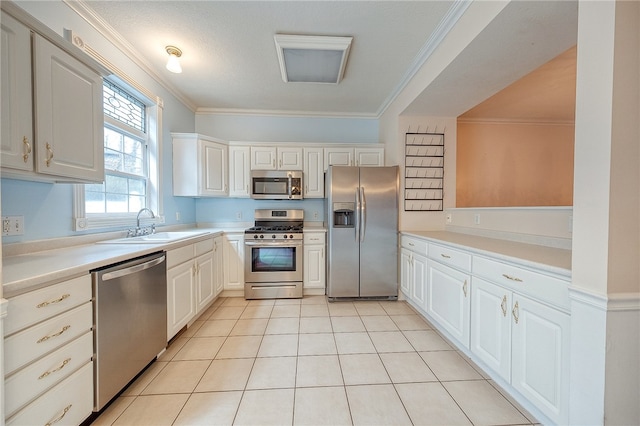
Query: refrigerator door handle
x=363, y=214
x=358, y=215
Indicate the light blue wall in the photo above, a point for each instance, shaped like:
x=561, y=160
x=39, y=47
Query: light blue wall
x=47, y=208
x=224, y=210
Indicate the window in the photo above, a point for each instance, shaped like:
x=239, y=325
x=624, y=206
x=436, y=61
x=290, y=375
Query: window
x=130, y=161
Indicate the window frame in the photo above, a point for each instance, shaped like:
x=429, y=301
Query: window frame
x=84, y=221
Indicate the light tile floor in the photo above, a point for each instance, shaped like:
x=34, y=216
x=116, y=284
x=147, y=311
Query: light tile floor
x=309, y=362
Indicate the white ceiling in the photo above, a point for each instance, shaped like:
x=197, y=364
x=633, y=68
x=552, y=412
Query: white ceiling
x=230, y=64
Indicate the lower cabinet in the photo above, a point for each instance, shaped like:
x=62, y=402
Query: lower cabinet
x=314, y=263
x=448, y=300
x=234, y=261
x=526, y=342
x=218, y=264
x=413, y=276
x=190, y=283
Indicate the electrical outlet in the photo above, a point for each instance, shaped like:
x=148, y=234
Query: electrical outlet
x=12, y=225
x=177, y=215
x=476, y=218
x=239, y=215
x=448, y=218
x=316, y=215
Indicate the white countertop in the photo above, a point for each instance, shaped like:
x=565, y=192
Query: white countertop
x=554, y=260
x=26, y=272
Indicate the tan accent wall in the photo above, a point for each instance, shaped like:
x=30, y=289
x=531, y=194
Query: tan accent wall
x=514, y=164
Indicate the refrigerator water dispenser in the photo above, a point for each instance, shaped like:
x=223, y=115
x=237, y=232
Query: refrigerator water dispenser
x=343, y=215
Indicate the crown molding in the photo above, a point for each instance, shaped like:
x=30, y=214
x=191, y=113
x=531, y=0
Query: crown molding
x=84, y=10
x=283, y=113
x=455, y=12
x=531, y=121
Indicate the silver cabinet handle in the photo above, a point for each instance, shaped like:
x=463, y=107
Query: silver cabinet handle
x=445, y=256
x=411, y=244
x=509, y=277
x=464, y=288
x=503, y=305
x=516, y=312
x=51, y=302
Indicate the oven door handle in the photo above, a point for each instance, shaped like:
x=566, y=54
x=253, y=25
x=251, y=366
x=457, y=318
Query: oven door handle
x=289, y=185
x=273, y=243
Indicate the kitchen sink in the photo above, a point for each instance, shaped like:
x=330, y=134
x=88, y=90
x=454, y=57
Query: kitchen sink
x=158, y=238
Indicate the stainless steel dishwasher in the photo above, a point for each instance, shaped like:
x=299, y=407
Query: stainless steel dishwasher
x=130, y=322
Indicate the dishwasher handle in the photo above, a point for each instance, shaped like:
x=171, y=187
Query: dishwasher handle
x=133, y=269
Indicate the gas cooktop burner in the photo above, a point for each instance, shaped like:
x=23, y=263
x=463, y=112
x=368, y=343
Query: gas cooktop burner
x=288, y=228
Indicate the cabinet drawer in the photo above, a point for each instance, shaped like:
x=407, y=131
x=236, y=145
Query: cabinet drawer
x=448, y=256
x=31, y=381
x=203, y=246
x=539, y=286
x=314, y=238
x=179, y=255
x=68, y=403
x=27, y=345
x=30, y=308
x=414, y=244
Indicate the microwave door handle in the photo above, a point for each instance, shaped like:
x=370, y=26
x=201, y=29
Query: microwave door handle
x=289, y=186
x=363, y=214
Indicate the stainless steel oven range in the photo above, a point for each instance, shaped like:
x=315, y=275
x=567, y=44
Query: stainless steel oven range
x=273, y=255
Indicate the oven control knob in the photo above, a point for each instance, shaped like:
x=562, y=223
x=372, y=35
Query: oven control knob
x=261, y=236
x=285, y=236
x=273, y=236
x=291, y=236
x=255, y=236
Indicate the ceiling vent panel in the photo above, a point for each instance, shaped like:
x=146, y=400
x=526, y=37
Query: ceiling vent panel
x=312, y=59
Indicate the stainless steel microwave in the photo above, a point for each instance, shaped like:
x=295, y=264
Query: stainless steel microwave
x=276, y=185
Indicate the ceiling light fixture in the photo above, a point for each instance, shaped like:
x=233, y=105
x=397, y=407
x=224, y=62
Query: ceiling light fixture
x=173, y=64
x=312, y=59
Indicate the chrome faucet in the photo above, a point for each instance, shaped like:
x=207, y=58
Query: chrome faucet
x=138, y=231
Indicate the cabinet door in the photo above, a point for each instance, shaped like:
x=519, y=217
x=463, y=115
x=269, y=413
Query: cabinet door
x=314, y=266
x=448, y=300
x=338, y=157
x=234, y=262
x=263, y=158
x=406, y=272
x=313, y=173
x=205, y=285
x=180, y=297
x=214, y=173
x=369, y=157
x=289, y=158
x=491, y=326
x=239, y=171
x=218, y=265
x=540, y=361
x=16, y=140
x=419, y=280
x=69, y=129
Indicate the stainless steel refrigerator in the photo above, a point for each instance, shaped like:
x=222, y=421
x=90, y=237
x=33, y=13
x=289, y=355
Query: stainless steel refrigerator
x=362, y=239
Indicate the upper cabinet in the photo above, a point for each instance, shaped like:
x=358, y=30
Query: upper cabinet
x=239, y=171
x=47, y=134
x=353, y=156
x=276, y=158
x=313, y=178
x=200, y=166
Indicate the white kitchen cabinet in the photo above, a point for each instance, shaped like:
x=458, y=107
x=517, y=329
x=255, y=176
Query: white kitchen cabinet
x=48, y=344
x=68, y=143
x=180, y=297
x=448, y=300
x=200, y=166
x=218, y=264
x=239, y=171
x=313, y=172
x=190, y=283
x=276, y=158
x=16, y=142
x=413, y=270
x=234, y=261
x=364, y=156
x=526, y=342
x=406, y=273
x=314, y=263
